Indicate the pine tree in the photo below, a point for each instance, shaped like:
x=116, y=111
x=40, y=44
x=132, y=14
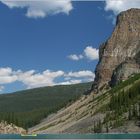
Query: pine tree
x=129, y=114
x=107, y=127
x=100, y=126
x=134, y=110
x=139, y=111
x=94, y=127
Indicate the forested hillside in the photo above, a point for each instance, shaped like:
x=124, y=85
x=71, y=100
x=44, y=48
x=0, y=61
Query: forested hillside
x=27, y=108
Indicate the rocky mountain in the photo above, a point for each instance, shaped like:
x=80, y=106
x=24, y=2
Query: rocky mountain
x=119, y=56
x=116, y=110
x=6, y=128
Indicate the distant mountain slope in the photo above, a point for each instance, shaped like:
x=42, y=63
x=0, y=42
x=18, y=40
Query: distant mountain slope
x=112, y=111
x=27, y=108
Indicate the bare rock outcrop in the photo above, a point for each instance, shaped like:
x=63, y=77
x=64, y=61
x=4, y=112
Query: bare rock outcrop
x=119, y=56
x=6, y=128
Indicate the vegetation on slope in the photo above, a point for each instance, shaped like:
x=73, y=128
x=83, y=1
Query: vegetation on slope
x=122, y=102
x=27, y=108
x=124, y=105
x=91, y=111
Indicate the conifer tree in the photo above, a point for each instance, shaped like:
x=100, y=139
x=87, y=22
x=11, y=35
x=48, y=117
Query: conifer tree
x=129, y=114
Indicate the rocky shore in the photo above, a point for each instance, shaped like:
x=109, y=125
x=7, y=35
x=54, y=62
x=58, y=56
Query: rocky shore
x=6, y=128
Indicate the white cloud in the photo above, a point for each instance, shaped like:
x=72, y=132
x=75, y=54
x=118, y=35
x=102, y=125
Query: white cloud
x=7, y=76
x=75, y=57
x=118, y=6
x=7, y=79
x=91, y=53
x=36, y=9
x=81, y=74
x=47, y=78
x=32, y=79
x=71, y=82
x=79, y=77
x=5, y=71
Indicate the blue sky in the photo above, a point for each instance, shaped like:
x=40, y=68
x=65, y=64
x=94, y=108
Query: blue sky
x=51, y=48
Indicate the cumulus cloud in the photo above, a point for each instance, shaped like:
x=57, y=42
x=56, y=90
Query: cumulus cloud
x=5, y=71
x=118, y=6
x=7, y=76
x=29, y=78
x=41, y=9
x=78, y=74
x=75, y=57
x=89, y=52
x=32, y=79
x=71, y=82
x=79, y=77
x=46, y=78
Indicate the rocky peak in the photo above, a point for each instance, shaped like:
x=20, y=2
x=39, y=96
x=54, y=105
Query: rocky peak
x=119, y=56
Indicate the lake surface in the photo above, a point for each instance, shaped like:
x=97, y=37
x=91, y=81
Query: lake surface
x=73, y=136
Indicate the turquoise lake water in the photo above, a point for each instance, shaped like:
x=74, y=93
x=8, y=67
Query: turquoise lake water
x=73, y=136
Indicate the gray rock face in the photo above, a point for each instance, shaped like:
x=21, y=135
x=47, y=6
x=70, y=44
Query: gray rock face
x=124, y=70
x=119, y=56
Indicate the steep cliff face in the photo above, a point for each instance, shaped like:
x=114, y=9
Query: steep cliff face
x=119, y=56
